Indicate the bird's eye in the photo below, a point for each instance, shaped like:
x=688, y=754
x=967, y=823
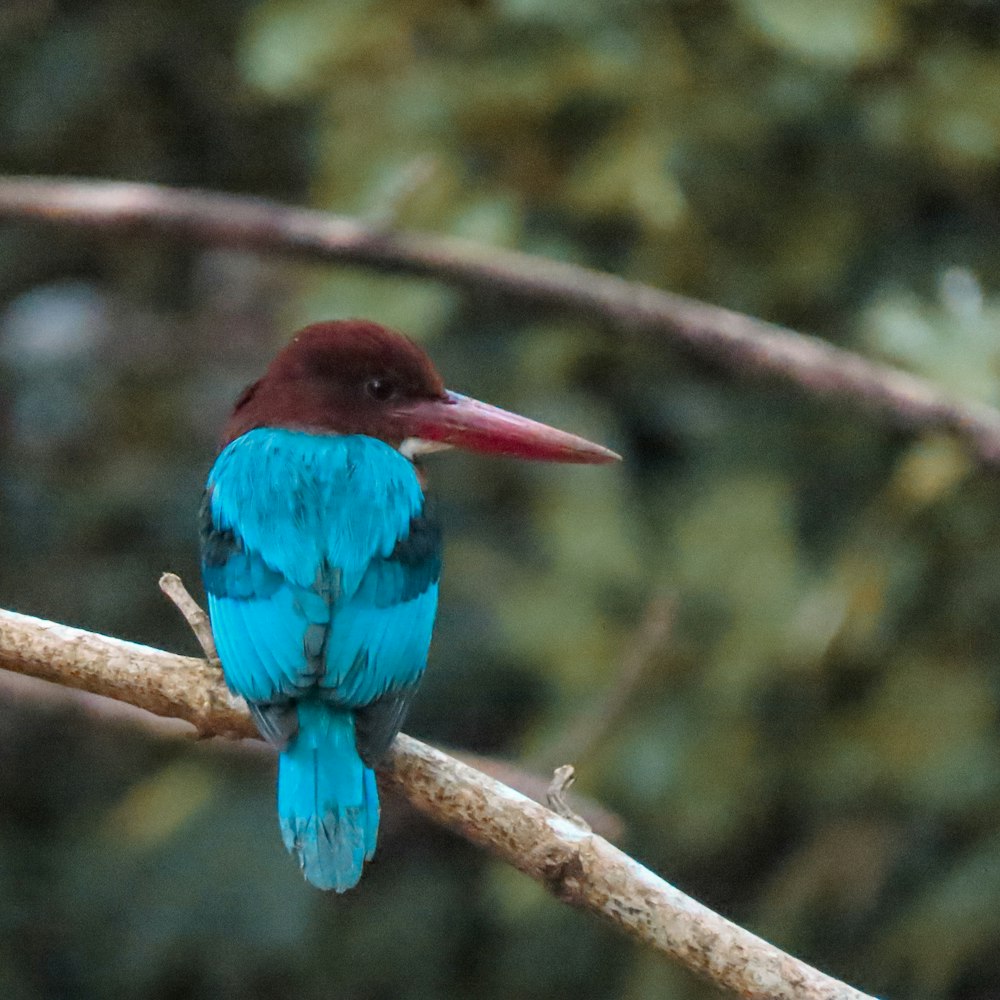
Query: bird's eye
x=380, y=388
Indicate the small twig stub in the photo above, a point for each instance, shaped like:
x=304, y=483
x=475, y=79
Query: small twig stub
x=172, y=585
x=562, y=781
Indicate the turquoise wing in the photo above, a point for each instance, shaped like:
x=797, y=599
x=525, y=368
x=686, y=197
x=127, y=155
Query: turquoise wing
x=321, y=563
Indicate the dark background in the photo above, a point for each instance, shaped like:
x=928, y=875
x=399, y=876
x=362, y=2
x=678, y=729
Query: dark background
x=815, y=749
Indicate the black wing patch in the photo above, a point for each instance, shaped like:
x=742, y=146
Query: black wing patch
x=376, y=725
x=277, y=722
x=227, y=569
x=412, y=566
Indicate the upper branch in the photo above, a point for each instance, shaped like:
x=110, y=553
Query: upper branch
x=742, y=344
x=578, y=866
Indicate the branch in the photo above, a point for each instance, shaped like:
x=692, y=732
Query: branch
x=577, y=866
x=23, y=689
x=606, y=823
x=166, y=684
x=742, y=344
x=626, y=685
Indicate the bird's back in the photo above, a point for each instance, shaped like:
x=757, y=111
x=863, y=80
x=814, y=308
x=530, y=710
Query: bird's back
x=321, y=565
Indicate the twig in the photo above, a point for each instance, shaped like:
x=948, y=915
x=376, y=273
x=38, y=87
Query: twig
x=400, y=190
x=594, y=725
x=172, y=585
x=742, y=344
x=576, y=866
x=562, y=780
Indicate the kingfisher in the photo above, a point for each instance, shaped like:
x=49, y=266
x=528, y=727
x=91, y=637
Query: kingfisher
x=321, y=556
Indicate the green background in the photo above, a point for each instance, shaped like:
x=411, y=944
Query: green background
x=814, y=751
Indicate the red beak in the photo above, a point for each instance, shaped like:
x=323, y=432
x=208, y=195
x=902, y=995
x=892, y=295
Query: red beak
x=466, y=423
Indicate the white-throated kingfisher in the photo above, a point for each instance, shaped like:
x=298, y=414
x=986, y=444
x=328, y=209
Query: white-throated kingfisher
x=321, y=563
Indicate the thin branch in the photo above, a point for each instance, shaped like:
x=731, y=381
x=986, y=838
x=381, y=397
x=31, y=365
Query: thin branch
x=577, y=866
x=642, y=654
x=742, y=344
x=562, y=780
x=173, y=587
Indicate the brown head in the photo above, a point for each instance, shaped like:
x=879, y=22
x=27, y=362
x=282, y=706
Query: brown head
x=356, y=377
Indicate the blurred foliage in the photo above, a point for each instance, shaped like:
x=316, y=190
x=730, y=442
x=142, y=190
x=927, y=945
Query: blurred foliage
x=817, y=752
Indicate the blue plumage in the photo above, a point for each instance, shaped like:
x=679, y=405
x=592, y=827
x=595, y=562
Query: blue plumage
x=321, y=565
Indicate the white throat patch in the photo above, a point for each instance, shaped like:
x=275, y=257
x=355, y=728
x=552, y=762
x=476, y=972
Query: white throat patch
x=412, y=448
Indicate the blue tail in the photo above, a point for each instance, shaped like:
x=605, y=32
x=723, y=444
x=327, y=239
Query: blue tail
x=327, y=799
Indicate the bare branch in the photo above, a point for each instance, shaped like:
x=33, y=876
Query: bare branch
x=590, y=812
x=167, y=684
x=742, y=344
x=576, y=865
x=24, y=689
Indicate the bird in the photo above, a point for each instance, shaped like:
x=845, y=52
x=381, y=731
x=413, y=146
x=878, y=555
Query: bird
x=321, y=556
